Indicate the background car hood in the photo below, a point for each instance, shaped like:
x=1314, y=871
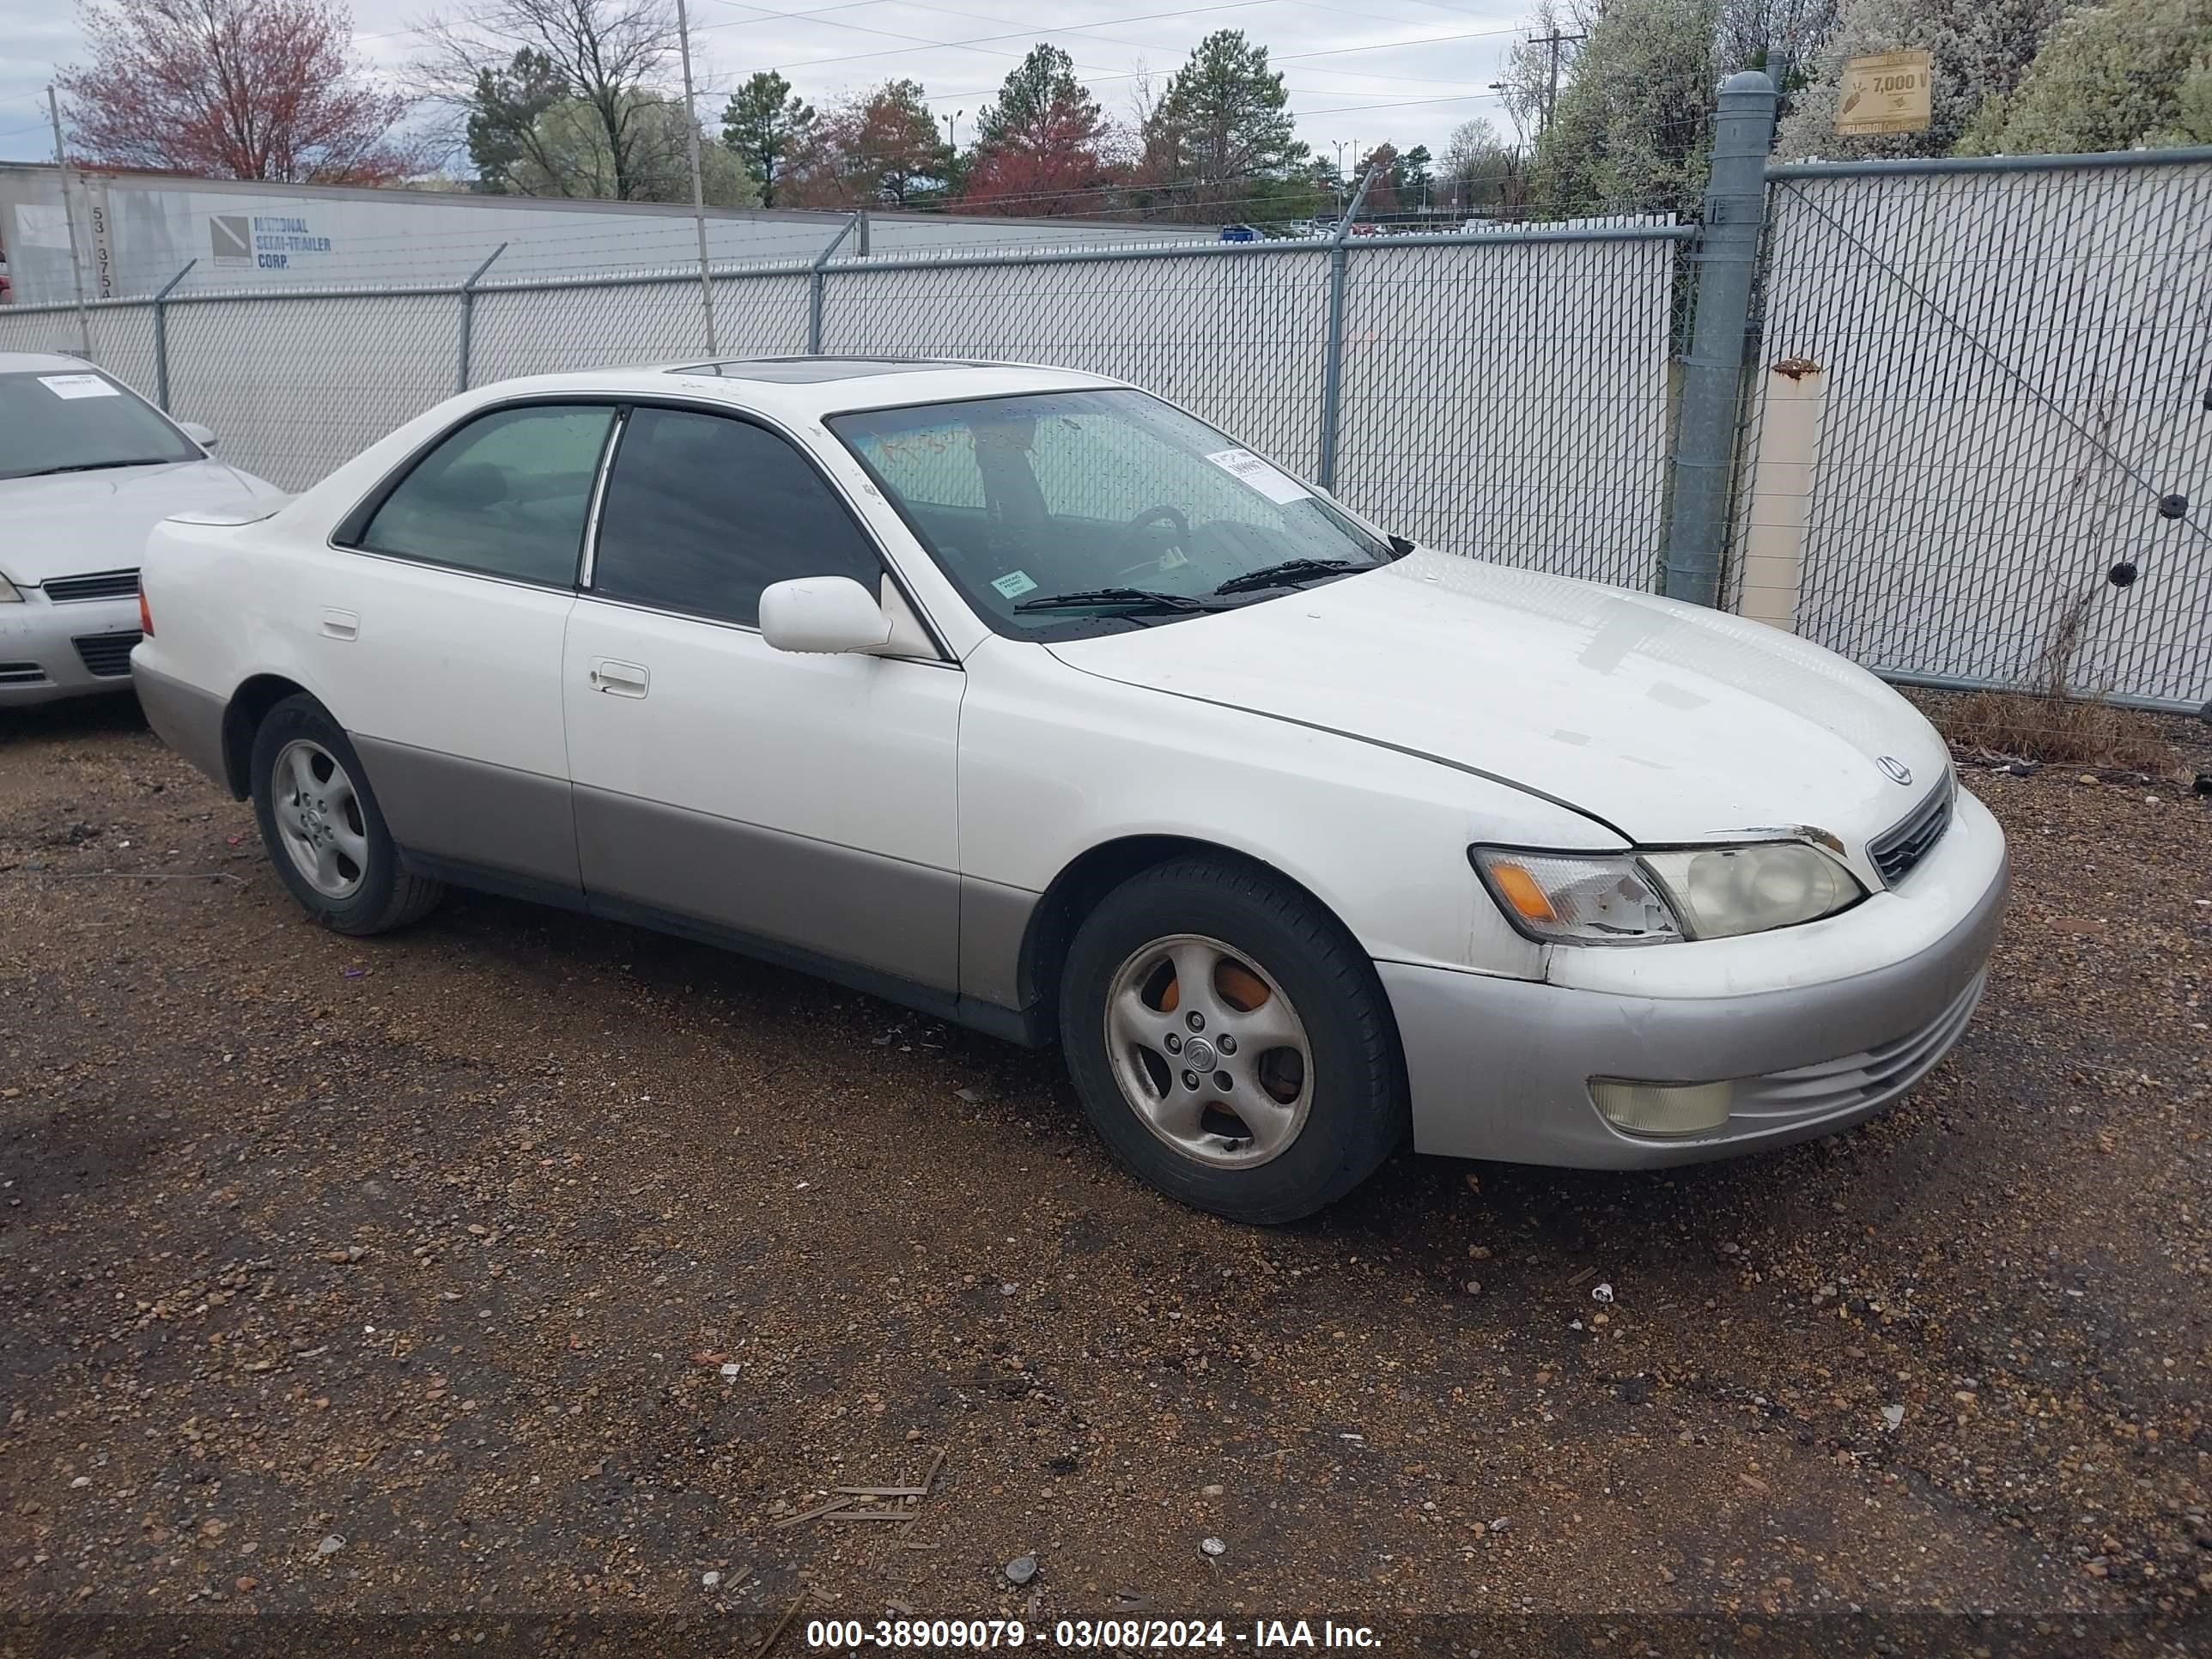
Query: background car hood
x=71, y=523
x=1669, y=722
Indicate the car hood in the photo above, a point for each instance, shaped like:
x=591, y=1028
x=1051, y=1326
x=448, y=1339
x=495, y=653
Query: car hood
x=72, y=523
x=1666, y=722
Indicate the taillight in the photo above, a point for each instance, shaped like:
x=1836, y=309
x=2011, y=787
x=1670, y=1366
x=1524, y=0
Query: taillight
x=145, y=616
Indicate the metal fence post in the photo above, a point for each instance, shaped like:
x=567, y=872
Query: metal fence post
x=816, y=280
x=1332, y=369
x=161, y=337
x=468, y=316
x=1724, y=260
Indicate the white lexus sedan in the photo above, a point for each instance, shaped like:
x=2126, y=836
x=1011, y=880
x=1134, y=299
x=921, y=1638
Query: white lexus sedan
x=87, y=468
x=1030, y=700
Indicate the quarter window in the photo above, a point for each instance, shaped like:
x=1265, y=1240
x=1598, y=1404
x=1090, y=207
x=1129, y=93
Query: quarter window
x=703, y=512
x=507, y=495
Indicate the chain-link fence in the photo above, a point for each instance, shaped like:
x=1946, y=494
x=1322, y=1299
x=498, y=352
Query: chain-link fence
x=1502, y=392
x=1985, y=428
x=1976, y=445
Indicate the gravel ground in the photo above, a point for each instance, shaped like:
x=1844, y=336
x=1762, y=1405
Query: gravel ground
x=522, y=1266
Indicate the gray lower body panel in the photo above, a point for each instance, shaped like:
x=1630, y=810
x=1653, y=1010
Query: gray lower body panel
x=1500, y=1068
x=838, y=902
x=468, y=811
x=187, y=718
x=995, y=920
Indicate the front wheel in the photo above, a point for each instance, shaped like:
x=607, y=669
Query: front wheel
x=320, y=823
x=1231, y=1043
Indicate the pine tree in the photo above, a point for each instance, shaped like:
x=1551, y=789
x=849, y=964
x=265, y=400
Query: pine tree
x=765, y=125
x=1225, y=128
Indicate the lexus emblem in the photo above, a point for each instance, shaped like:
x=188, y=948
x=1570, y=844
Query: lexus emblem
x=1898, y=770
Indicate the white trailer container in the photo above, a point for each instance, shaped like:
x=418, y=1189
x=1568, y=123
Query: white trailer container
x=135, y=232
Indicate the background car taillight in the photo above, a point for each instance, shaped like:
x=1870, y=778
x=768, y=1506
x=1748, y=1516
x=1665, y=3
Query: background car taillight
x=145, y=616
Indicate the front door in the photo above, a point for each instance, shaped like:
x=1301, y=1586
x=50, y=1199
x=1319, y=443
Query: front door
x=800, y=802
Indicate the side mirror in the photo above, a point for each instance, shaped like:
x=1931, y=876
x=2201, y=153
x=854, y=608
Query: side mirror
x=202, y=435
x=822, y=614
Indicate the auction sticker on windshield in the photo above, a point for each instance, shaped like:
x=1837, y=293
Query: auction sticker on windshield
x=77, y=386
x=1260, y=475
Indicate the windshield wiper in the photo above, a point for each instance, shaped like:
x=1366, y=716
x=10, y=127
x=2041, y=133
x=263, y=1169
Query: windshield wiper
x=1283, y=575
x=1143, y=599
x=86, y=466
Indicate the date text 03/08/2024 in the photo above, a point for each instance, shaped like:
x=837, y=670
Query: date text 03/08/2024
x=1121, y=1635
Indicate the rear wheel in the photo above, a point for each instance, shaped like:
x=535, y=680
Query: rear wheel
x=319, y=821
x=1231, y=1043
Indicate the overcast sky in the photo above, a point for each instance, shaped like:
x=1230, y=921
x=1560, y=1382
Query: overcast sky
x=1359, y=71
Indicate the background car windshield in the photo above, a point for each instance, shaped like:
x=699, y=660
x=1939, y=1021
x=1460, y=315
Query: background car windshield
x=55, y=420
x=1022, y=498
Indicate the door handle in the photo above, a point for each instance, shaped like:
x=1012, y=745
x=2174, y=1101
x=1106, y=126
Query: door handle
x=619, y=679
x=341, y=625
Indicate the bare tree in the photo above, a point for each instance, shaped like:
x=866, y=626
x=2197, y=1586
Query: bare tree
x=1486, y=176
x=500, y=66
x=1780, y=36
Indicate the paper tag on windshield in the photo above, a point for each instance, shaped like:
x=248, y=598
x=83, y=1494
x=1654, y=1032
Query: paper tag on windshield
x=77, y=386
x=1247, y=468
x=1013, y=584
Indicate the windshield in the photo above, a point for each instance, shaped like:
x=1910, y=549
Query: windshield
x=1062, y=514
x=77, y=420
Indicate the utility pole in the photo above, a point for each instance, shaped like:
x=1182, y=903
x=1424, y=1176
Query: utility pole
x=1553, y=41
x=698, y=180
x=68, y=220
x=952, y=126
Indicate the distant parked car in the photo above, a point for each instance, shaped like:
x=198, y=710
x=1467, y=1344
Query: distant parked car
x=1239, y=234
x=87, y=468
x=1030, y=700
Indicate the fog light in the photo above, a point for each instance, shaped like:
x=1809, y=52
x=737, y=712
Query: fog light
x=1661, y=1108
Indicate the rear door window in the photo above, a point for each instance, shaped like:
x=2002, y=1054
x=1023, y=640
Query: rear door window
x=507, y=495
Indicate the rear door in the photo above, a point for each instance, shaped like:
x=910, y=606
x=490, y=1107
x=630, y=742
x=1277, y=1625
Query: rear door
x=436, y=640
x=801, y=802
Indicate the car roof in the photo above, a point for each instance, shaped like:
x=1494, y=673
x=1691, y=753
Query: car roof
x=41, y=362
x=801, y=389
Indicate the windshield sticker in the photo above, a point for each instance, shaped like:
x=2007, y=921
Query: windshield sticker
x=77, y=386
x=1248, y=469
x=1013, y=584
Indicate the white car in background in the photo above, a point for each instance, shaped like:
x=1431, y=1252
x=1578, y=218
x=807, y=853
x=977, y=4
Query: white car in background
x=1028, y=700
x=87, y=468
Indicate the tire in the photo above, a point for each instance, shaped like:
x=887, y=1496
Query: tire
x=323, y=830
x=1266, y=962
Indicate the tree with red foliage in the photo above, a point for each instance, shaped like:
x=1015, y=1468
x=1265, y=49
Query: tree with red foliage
x=266, y=89
x=1041, y=149
x=1382, y=194
x=880, y=151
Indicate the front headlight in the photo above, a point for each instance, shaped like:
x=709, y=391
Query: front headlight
x=1721, y=892
x=1647, y=898
x=7, y=594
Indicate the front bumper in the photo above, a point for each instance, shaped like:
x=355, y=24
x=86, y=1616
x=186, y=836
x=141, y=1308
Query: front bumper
x=1500, y=1068
x=49, y=651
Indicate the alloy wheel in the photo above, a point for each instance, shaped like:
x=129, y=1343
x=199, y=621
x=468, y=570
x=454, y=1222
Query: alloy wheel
x=319, y=818
x=1209, y=1051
